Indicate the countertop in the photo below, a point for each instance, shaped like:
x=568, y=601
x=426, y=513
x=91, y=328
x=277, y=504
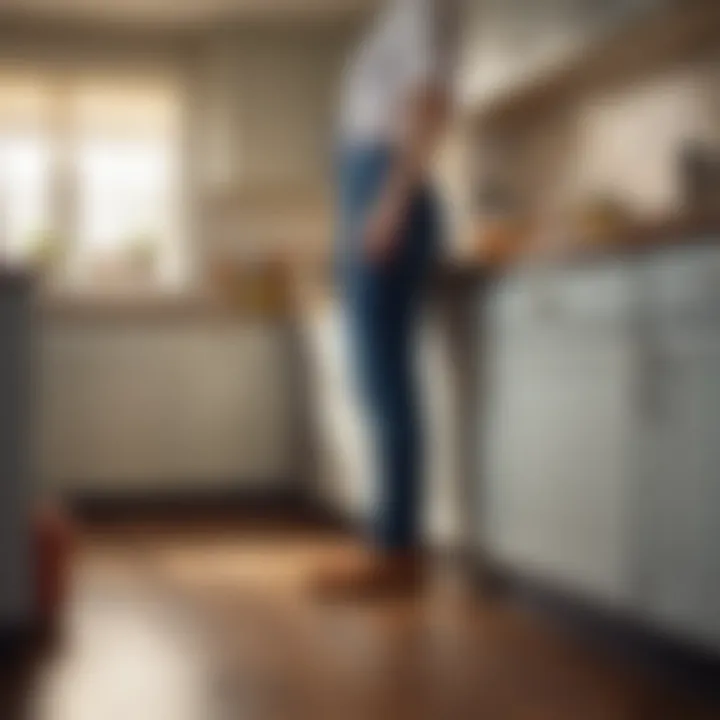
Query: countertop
x=678, y=230
x=314, y=279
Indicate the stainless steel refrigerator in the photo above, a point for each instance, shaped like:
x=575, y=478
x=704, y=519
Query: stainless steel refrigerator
x=16, y=481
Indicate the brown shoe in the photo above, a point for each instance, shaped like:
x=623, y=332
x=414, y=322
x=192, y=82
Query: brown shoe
x=372, y=577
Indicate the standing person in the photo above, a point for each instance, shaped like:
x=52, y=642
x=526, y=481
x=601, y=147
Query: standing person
x=394, y=111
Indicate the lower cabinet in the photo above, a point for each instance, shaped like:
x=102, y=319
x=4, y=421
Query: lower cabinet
x=558, y=447
x=136, y=407
x=600, y=455
x=680, y=522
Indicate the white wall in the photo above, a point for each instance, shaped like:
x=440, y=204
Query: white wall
x=623, y=138
x=623, y=141
x=266, y=104
x=628, y=140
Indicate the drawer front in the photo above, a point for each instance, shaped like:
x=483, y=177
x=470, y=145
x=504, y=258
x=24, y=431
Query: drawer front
x=684, y=283
x=600, y=293
x=548, y=303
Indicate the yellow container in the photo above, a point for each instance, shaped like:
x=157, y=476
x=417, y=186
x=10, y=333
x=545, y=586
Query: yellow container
x=257, y=289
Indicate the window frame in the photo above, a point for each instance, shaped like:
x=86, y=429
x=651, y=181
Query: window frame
x=58, y=124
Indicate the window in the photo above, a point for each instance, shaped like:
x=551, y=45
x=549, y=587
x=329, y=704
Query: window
x=24, y=197
x=89, y=178
x=25, y=158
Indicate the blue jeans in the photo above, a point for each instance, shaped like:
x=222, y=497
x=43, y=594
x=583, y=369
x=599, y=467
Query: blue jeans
x=382, y=304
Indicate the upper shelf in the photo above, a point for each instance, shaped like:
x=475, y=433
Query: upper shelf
x=657, y=38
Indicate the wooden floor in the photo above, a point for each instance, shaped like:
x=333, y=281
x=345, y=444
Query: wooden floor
x=216, y=624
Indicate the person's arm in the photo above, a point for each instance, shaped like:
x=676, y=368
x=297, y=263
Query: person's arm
x=430, y=28
x=426, y=122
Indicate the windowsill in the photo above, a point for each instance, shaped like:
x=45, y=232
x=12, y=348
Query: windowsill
x=146, y=305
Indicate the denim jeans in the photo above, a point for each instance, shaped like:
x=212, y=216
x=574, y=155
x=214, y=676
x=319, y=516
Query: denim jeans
x=382, y=305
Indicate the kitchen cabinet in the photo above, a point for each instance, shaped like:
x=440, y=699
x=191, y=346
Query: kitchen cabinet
x=197, y=403
x=680, y=582
x=678, y=559
x=553, y=34
x=600, y=461
x=558, y=447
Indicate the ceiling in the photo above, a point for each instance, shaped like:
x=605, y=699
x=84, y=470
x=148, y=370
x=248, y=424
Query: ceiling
x=184, y=13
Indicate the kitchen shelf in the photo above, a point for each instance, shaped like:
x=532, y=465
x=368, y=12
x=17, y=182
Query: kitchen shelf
x=652, y=40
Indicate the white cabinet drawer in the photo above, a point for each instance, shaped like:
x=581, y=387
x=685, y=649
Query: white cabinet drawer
x=684, y=282
x=577, y=298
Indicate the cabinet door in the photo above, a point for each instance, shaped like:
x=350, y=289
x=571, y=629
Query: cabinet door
x=593, y=462
x=558, y=461
x=192, y=404
x=680, y=527
x=516, y=398
x=683, y=289
x=518, y=401
x=558, y=450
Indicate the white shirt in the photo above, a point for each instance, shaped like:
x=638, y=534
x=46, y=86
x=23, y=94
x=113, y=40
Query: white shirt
x=408, y=48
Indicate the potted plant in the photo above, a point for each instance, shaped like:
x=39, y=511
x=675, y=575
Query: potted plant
x=142, y=254
x=46, y=250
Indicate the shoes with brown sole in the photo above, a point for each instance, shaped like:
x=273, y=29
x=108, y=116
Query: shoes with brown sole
x=371, y=578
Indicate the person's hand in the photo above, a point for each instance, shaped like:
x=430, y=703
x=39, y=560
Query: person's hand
x=384, y=230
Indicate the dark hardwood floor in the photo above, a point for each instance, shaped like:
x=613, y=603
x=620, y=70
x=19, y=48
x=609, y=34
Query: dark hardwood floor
x=215, y=623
